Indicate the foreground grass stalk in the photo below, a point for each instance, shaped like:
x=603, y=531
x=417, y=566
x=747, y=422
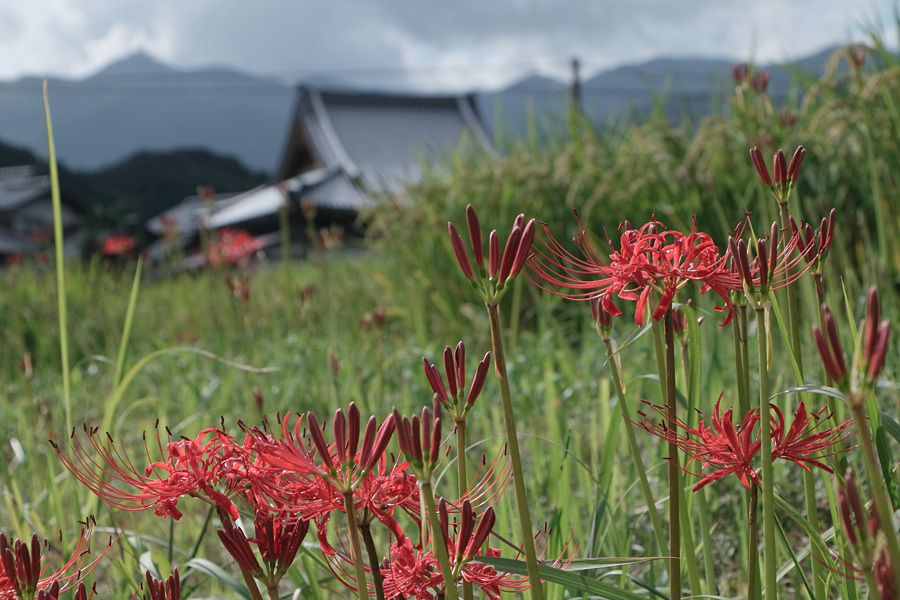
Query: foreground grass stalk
x=439, y=543
x=534, y=578
x=876, y=483
x=674, y=469
x=60, y=264
x=655, y=519
x=355, y=550
x=765, y=435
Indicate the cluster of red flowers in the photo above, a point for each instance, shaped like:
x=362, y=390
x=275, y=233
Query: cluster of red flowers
x=39, y=570
x=231, y=247
x=290, y=478
x=117, y=245
x=725, y=448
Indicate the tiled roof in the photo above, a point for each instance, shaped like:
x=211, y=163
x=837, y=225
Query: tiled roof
x=380, y=141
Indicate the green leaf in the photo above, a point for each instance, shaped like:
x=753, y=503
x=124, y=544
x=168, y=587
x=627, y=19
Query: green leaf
x=812, y=389
x=886, y=461
x=607, y=562
x=219, y=574
x=890, y=425
x=815, y=538
x=569, y=580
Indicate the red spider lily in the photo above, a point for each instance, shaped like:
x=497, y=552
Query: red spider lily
x=814, y=245
x=28, y=569
x=414, y=573
x=650, y=258
x=168, y=589
x=278, y=538
x=501, y=269
x=232, y=246
x=192, y=467
x=457, y=402
x=759, y=81
x=117, y=245
x=344, y=464
x=729, y=449
x=873, y=350
x=884, y=575
x=420, y=440
x=784, y=175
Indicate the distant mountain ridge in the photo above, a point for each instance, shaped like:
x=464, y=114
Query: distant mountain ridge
x=138, y=104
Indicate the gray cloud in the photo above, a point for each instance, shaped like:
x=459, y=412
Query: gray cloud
x=464, y=43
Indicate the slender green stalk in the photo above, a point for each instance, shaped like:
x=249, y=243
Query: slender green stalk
x=709, y=567
x=753, y=591
x=655, y=519
x=740, y=374
x=876, y=483
x=60, y=264
x=355, y=550
x=251, y=585
x=439, y=543
x=534, y=578
x=745, y=354
x=468, y=592
x=765, y=434
x=674, y=469
x=366, y=530
x=812, y=512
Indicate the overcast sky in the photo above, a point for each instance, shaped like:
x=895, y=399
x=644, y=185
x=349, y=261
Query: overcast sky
x=455, y=45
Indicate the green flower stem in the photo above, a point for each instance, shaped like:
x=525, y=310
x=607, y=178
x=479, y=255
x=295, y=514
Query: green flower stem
x=355, y=550
x=739, y=350
x=745, y=356
x=439, y=543
x=812, y=515
x=251, y=585
x=366, y=530
x=468, y=592
x=633, y=446
x=666, y=363
x=876, y=483
x=534, y=578
x=765, y=434
x=674, y=469
x=753, y=591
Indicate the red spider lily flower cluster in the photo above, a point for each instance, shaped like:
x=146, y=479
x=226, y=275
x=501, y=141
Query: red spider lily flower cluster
x=292, y=479
x=776, y=264
x=456, y=402
x=413, y=572
x=232, y=247
x=648, y=259
x=420, y=439
x=815, y=244
x=759, y=81
x=727, y=449
x=873, y=349
x=277, y=540
x=191, y=467
x=30, y=569
x=167, y=589
x=784, y=174
x=501, y=269
x=117, y=245
x=860, y=526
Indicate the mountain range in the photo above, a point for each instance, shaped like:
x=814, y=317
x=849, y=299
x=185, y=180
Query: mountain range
x=139, y=104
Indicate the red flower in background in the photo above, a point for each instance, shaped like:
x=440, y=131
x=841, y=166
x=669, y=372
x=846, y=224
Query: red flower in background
x=231, y=247
x=117, y=245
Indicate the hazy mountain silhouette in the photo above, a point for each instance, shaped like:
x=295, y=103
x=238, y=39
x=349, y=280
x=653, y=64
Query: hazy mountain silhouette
x=140, y=105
